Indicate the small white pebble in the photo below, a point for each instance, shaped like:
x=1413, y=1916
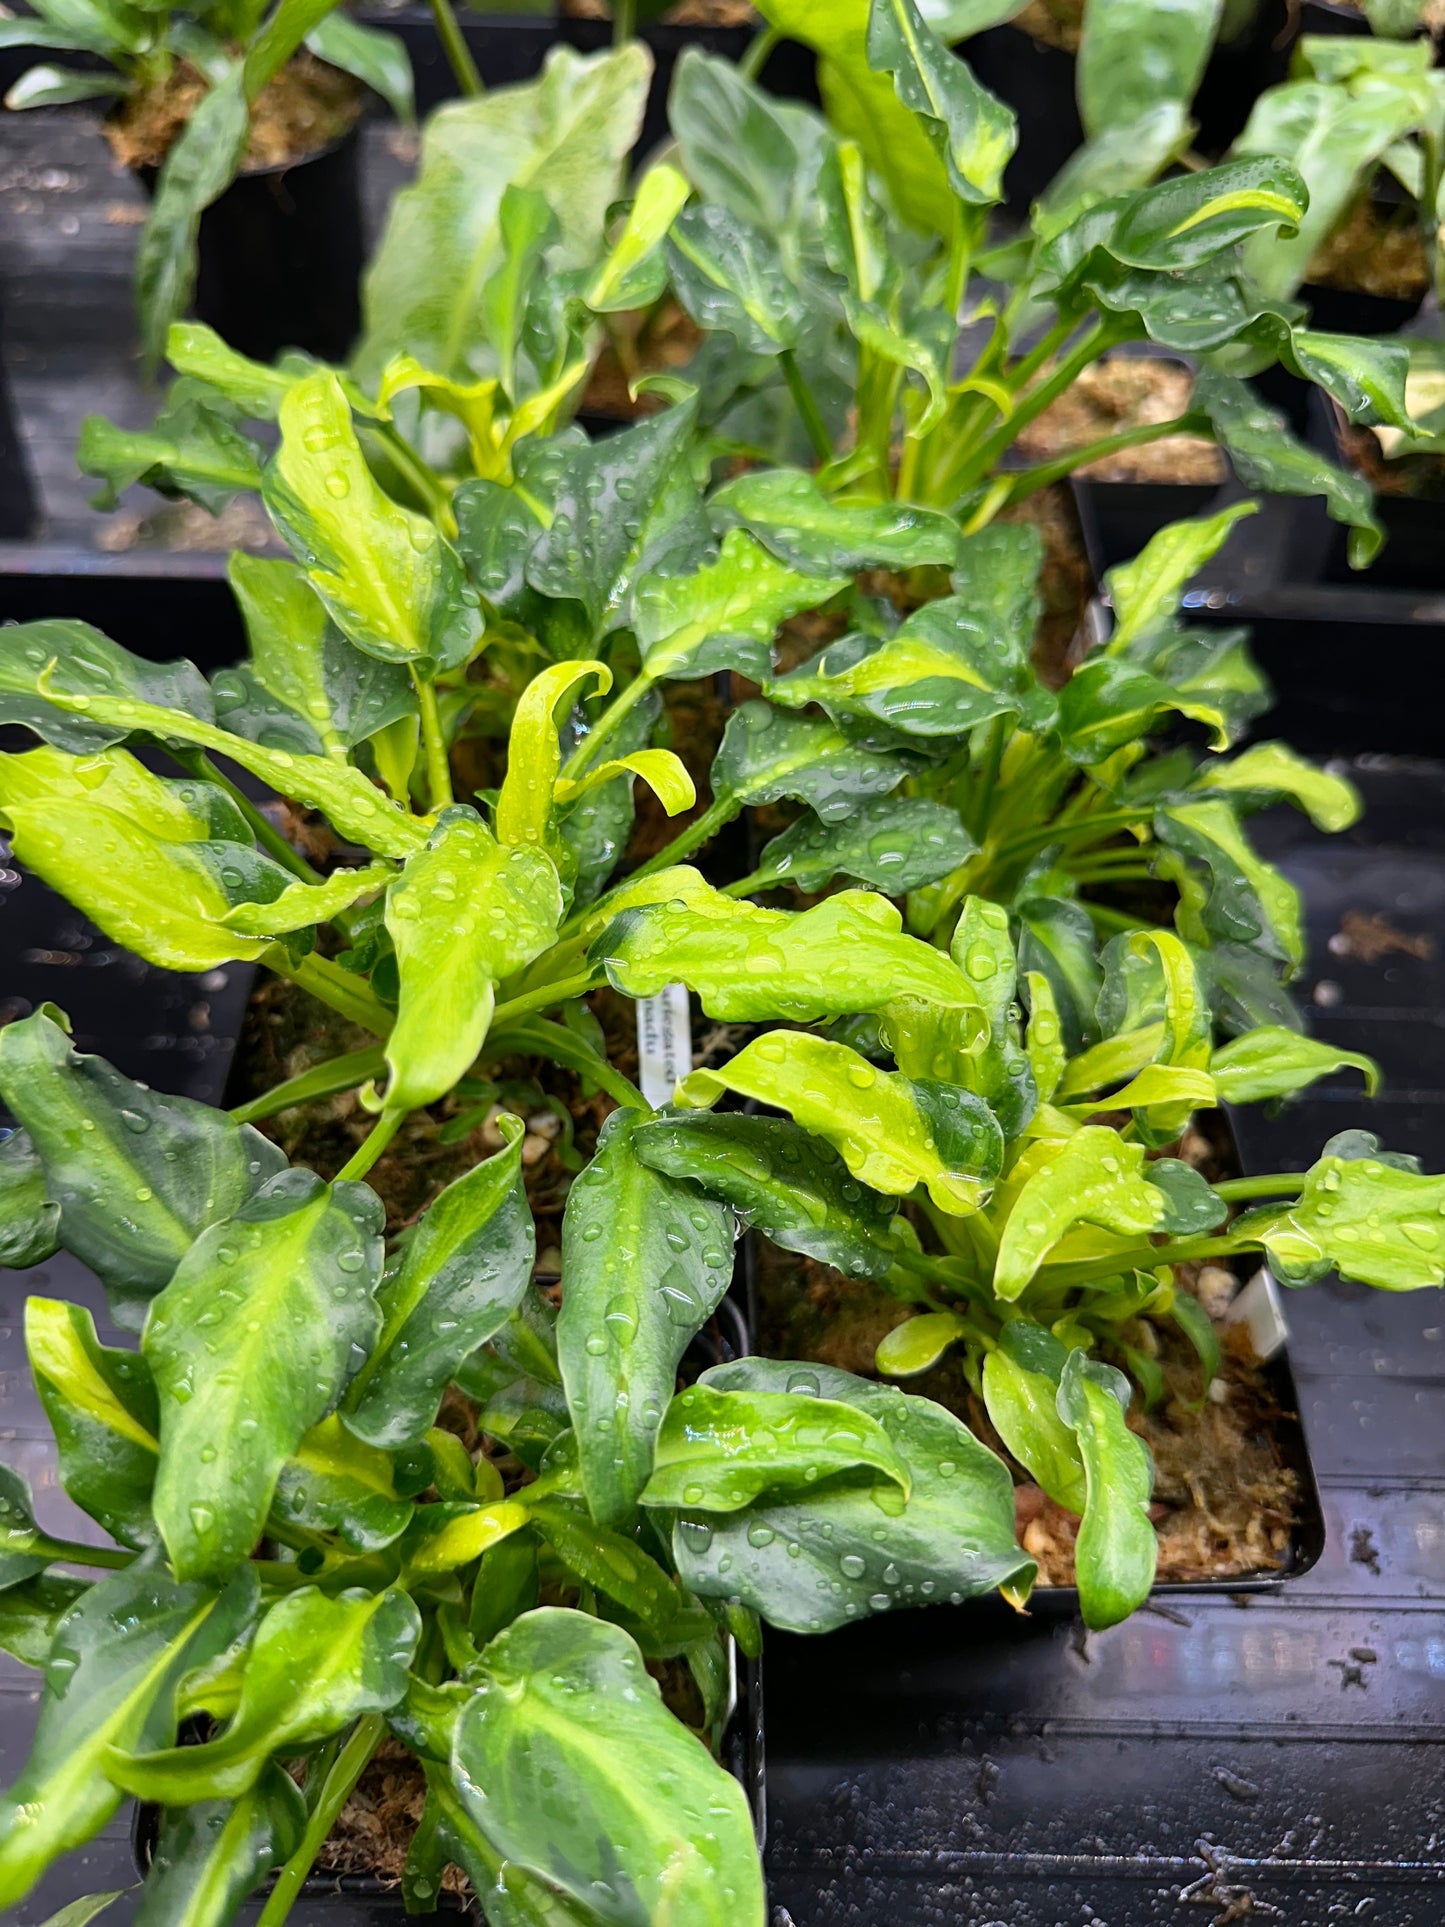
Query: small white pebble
x=1327, y=994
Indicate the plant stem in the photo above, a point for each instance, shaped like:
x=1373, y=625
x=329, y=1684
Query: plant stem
x=1029, y=480
x=260, y=826
x=338, y=989
x=806, y=405
x=322, y=1080
x=1113, y=873
x=1100, y=825
x=697, y=833
x=1089, y=348
x=438, y=769
x=542, y=998
x=1143, y=1258
x=422, y=476
x=1273, y=1184
x=75, y=1554
x=749, y=885
x=993, y=756
x=375, y=1142
x=347, y=1768
x=759, y=47
x=459, y=58
x=537, y=1036
x=1109, y=919
x=624, y=21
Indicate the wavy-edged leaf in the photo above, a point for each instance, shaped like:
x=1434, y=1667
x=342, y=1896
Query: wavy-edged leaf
x=333, y=1482
x=646, y=1257
x=110, y=1680
x=86, y=663
x=568, y=1763
x=193, y=448
x=725, y=614
x=1094, y=1178
x=893, y=843
x=1274, y=1062
x=199, y=166
x=210, y=1854
x=392, y=583
x=1149, y=588
x=849, y=953
x=1134, y=54
x=463, y=1271
x=1250, y=902
x=766, y=755
x=1056, y=940
x=1116, y=1550
x=303, y=1258
x=1268, y=772
x=789, y=513
x=463, y=914
x=317, y=1662
x=781, y=1181
x=893, y=1132
x=730, y=276
x=971, y=129
x=718, y=1451
x=29, y=1218
x=102, y=1409
x=1362, y=1217
x=850, y=1548
x=179, y=1165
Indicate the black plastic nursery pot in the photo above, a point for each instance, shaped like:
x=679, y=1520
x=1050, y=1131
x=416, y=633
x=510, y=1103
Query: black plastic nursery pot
x=1411, y=557
x=17, y=498
x=506, y=47
x=280, y=254
x=1037, y=81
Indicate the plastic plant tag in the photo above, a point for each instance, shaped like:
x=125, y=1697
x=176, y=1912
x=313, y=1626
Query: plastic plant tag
x=1259, y=1307
x=664, y=1042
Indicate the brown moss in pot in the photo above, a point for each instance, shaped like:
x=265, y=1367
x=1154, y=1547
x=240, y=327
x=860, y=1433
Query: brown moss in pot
x=1123, y=392
x=1375, y=250
x=303, y=109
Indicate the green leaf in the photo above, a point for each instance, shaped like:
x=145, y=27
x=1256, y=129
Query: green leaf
x=766, y=756
x=102, y=1408
x=974, y=132
x=570, y=1766
x=1264, y=455
x=1266, y=772
x=790, y=515
x=526, y=800
x=505, y=1587
x=18, y=1532
x=624, y=507
x=1192, y=218
x=647, y=1258
x=730, y=276
x=847, y=954
x=463, y=914
x=1146, y=590
x=1047, y=1052
x=1134, y=55
x=994, y=1065
x=725, y=614
x=659, y=1616
x=317, y=1663
x=30, y=1611
x=393, y=584
x=136, y=854
x=1115, y=1553
x=792, y=1187
x=344, y=794
x=201, y=164
x=1108, y=703
x=110, y=1680
x=379, y=60
x=179, y=1166
x=462, y=1273
x=1023, y=1408
x=1198, y=1327
x=754, y=155
x=1093, y=1177
x=334, y=1483
x=50, y=86
x=80, y=1912
x=86, y=664
x=595, y=826
x=1250, y=901
x=210, y=1854
x=1362, y=1217
x=634, y=275
x=193, y=448
x=303, y=686
x=894, y=843
x=566, y=134
x=29, y=1220
x=918, y=1343
x=1056, y=940
x=1367, y=378
x=303, y=1257
x=893, y=1132
x=1274, y=1062
x=847, y=1548
x=718, y=1451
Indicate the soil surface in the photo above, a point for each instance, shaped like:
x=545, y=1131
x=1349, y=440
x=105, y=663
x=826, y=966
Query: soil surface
x=303, y=109
x=1372, y=253
x=686, y=13
x=1053, y=23
x=1126, y=391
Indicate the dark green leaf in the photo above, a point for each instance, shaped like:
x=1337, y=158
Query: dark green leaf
x=29, y=1221
x=974, y=132
x=86, y=664
x=1056, y=938
x=200, y=165
x=572, y=1769
x=210, y=1854
x=18, y=1531
x=110, y=1681
x=301, y=1257
x=1116, y=1550
x=730, y=276
x=102, y=1408
x=316, y=1664
x=646, y=1258
x=766, y=756
x=788, y=512
x=505, y=1586
x=1134, y=55
x=463, y=1271
x=333, y=1482
x=785, y=1183
x=193, y=448
x=847, y=1548
x=179, y=1165
x=32, y=1609
x=1198, y=1327
x=1250, y=902
x=894, y=843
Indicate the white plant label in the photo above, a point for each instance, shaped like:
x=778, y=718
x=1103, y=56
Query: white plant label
x=1259, y=1307
x=664, y=1042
